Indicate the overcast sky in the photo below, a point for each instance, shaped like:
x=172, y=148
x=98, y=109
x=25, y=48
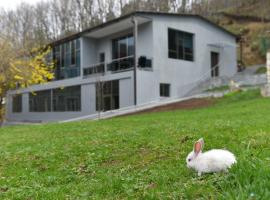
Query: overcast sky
x=11, y=4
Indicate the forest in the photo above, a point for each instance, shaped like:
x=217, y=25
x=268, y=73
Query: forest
x=29, y=26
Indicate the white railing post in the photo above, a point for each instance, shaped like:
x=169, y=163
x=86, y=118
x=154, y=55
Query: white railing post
x=265, y=91
x=135, y=35
x=268, y=67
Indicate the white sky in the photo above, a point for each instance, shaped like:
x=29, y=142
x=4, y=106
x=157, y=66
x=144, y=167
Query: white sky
x=12, y=4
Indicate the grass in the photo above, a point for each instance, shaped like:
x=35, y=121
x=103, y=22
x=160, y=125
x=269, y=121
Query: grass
x=140, y=157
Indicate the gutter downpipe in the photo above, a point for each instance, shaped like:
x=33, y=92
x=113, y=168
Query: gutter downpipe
x=135, y=34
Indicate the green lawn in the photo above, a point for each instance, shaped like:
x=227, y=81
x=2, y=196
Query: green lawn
x=142, y=156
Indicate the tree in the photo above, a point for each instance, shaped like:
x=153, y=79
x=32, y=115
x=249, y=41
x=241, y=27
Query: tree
x=22, y=69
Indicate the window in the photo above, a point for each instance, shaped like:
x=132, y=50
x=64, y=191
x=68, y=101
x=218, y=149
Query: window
x=180, y=45
x=67, y=55
x=107, y=95
x=40, y=101
x=102, y=57
x=67, y=99
x=73, y=52
x=123, y=47
x=17, y=103
x=62, y=49
x=164, y=90
x=67, y=59
x=78, y=53
x=57, y=60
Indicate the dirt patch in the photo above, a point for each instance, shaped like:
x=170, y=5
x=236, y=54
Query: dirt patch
x=182, y=105
x=110, y=162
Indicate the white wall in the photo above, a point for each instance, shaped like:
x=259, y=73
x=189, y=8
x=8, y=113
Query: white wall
x=182, y=74
x=126, y=92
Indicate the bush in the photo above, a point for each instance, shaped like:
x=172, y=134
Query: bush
x=261, y=70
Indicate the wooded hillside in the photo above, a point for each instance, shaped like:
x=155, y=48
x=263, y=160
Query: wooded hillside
x=30, y=26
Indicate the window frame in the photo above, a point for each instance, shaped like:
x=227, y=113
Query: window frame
x=18, y=107
x=71, y=100
x=107, y=89
x=35, y=96
x=68, y=55
x=162, y=90
x=127, y=39
x=184, y=54
x=73, y=53
x=67, y=95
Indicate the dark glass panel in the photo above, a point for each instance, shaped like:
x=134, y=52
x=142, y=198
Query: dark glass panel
x=40, y=101
x=17, y=103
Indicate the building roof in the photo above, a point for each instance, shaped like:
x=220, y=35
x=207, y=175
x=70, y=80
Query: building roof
x=88, y=30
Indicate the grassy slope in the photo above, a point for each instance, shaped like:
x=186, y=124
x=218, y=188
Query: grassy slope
x=140, y=156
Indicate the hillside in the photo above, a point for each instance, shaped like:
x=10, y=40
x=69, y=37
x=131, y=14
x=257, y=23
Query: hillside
x=252, y=22
x=141, y=156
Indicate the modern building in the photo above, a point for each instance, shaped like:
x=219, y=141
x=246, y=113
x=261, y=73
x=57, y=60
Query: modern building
x=95, y=68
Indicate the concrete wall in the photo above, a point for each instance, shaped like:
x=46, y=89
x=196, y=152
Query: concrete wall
x=147, y=80
x=88, y=52
x=182, y=74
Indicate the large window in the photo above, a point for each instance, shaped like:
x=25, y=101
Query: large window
x=67, y=99
x=123, y=47
x=17, y=103
x=60, y=100
x=180, y=45
x=107, y=95
x=40, y=101
x=122, y=54
x=67, y=59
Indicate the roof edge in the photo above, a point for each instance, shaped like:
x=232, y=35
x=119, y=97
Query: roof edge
x=79, y=34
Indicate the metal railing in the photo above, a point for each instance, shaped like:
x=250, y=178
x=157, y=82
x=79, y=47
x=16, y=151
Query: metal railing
x=196, y=83
x=117, y=65
x=68, y=72
x=121, y=64
x=94, y=69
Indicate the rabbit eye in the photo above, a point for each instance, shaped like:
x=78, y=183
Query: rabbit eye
x=189, y=159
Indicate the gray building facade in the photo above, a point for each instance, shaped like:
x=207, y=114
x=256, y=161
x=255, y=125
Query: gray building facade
x=95, y=68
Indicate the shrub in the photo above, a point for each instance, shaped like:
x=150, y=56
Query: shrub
x=261, y=70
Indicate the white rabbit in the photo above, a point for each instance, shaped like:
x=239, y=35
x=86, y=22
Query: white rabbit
x=215, y=160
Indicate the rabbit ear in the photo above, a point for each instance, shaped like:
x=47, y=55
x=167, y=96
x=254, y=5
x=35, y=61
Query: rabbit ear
x=198, y=146
x=202, y=142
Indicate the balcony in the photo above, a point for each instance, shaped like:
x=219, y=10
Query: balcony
x=121, y=64
x=94, y=69
x=117, y=66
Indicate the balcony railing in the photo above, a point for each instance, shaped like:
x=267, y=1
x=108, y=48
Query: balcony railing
x=68, y=72
x=94, y=69
x=121, y=64
x=117, y=65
